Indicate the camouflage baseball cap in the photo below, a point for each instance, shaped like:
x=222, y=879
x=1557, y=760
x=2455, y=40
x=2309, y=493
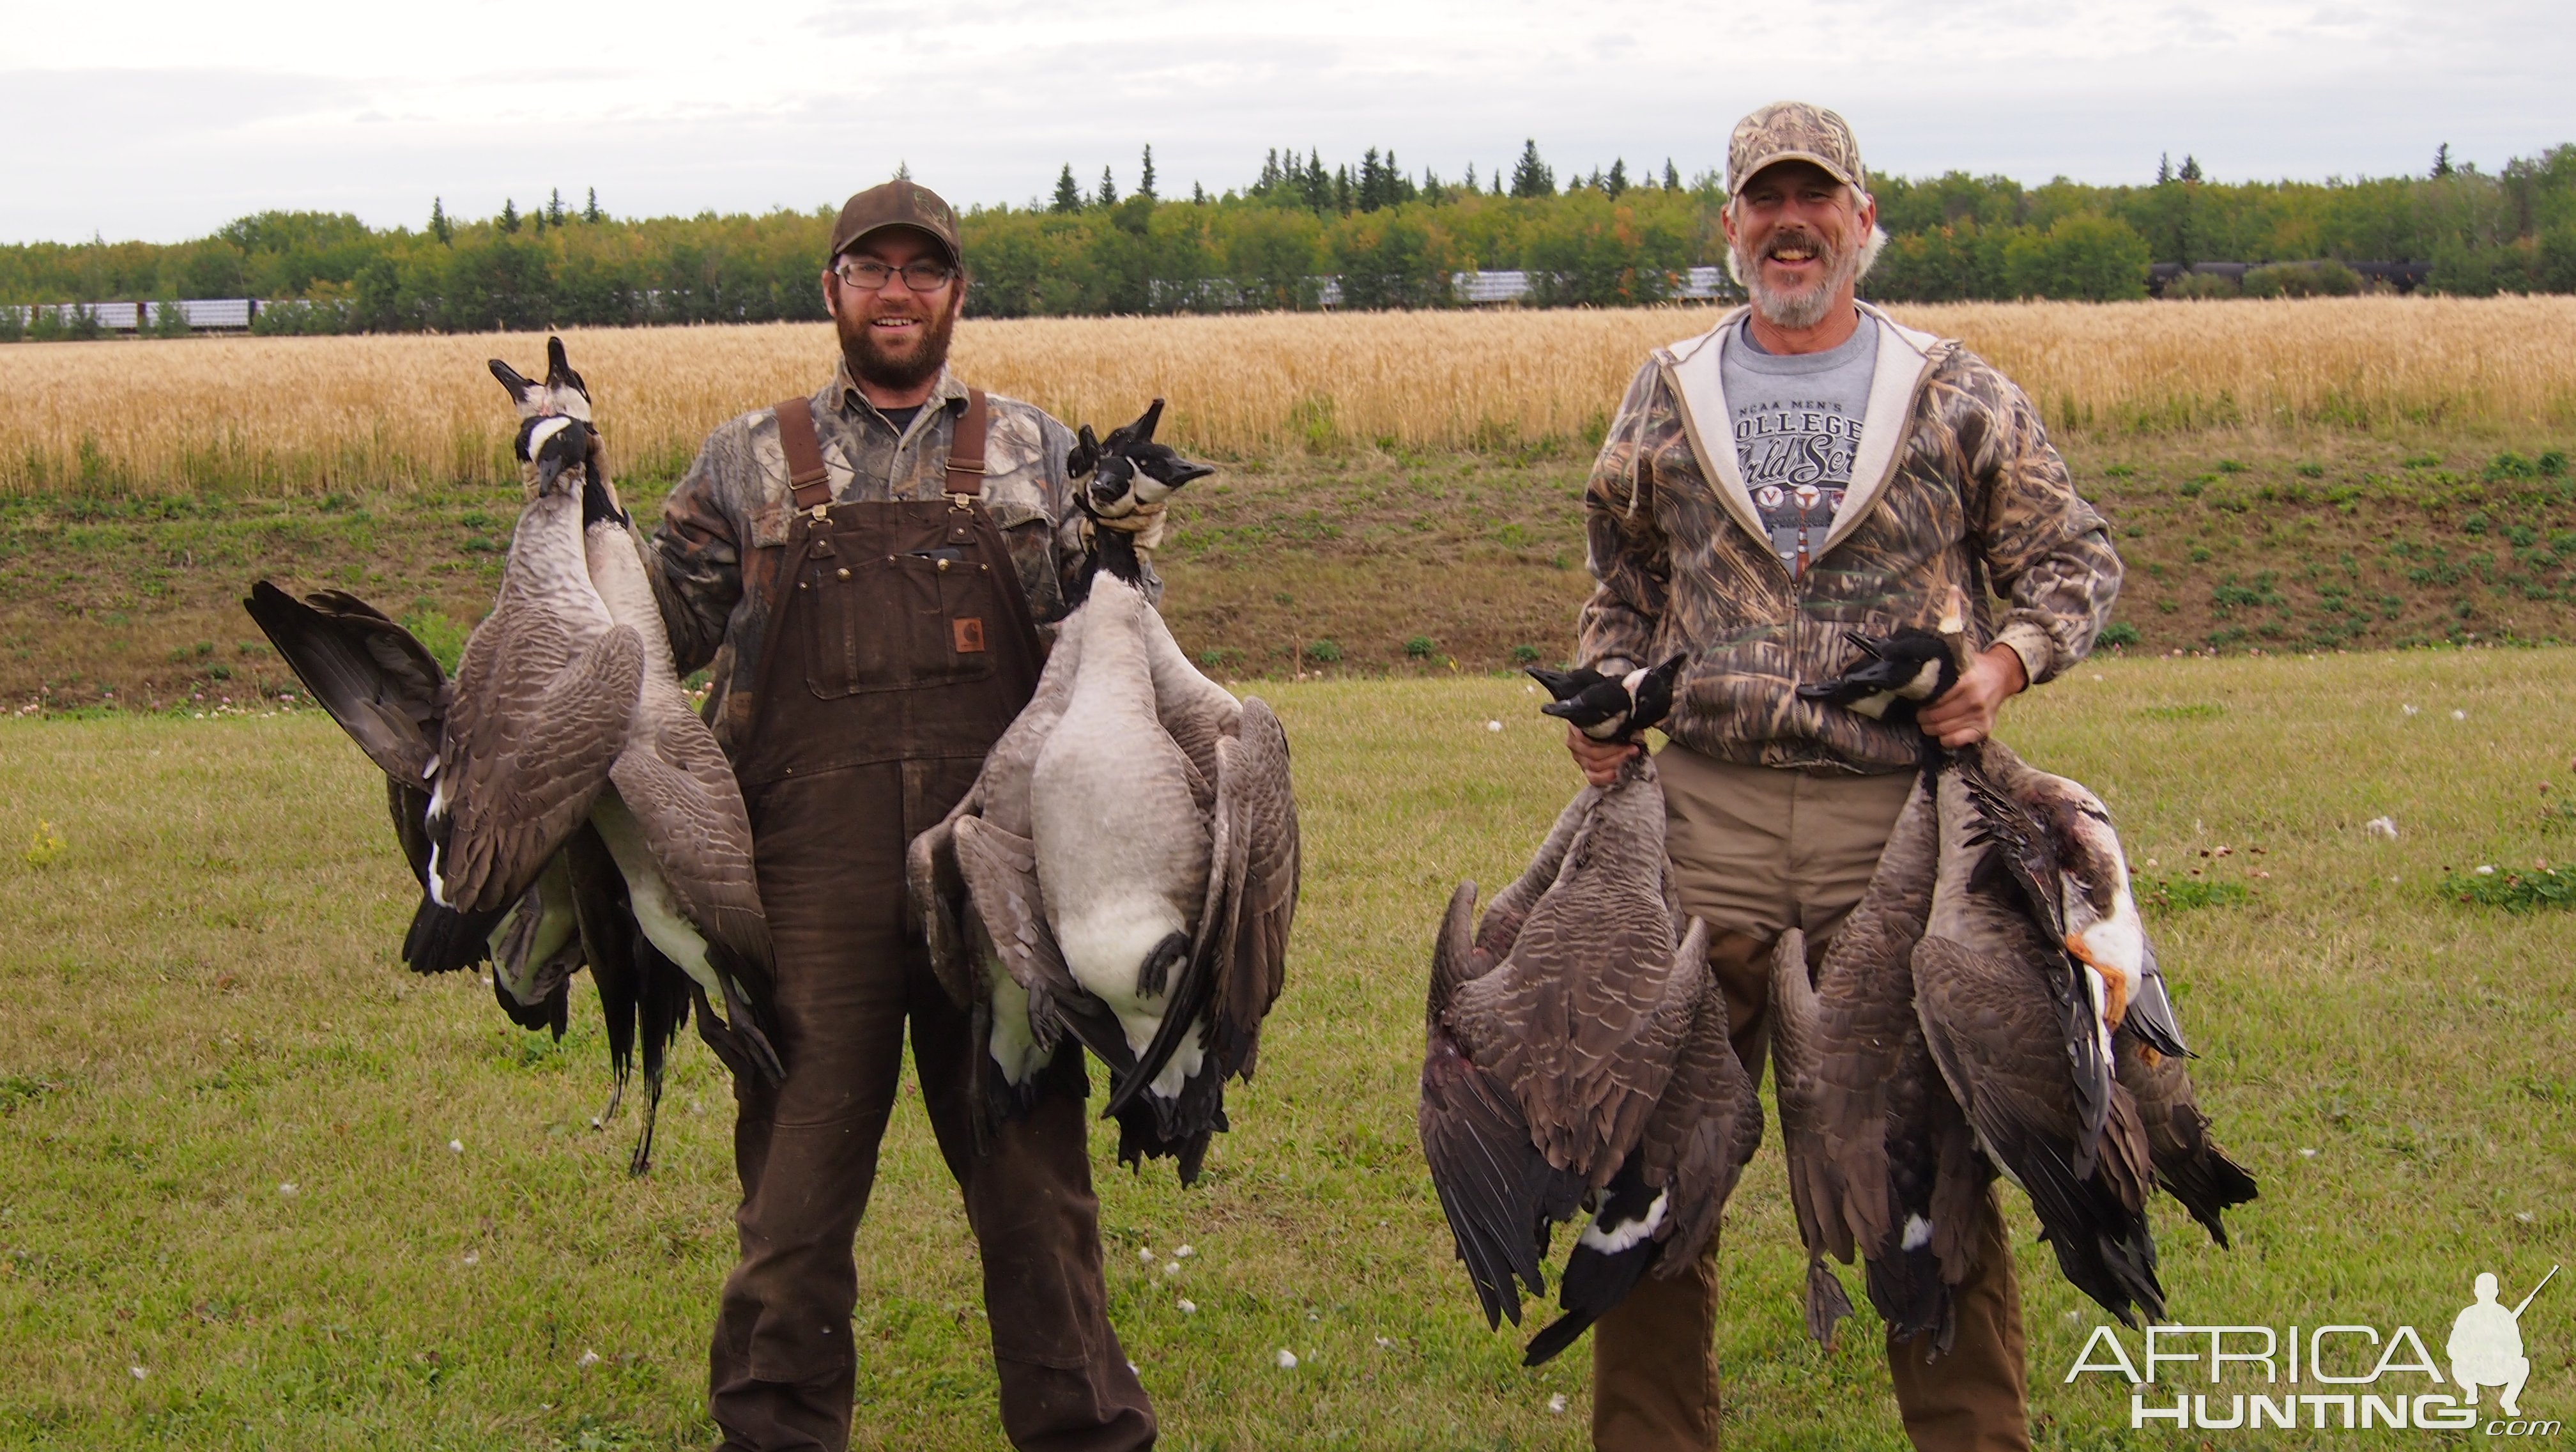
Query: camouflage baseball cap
x=898, y=203
x=1793, y=131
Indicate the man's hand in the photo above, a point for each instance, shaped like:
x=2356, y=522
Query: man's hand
x=1965, y=714
x=1599, y=761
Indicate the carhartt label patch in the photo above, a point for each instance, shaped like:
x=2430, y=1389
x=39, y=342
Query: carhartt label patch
x=970, y=634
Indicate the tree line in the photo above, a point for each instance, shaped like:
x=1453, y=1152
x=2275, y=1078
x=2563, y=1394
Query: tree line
x=1388, y=236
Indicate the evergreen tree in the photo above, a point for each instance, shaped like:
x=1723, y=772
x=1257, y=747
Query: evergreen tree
x=1198, y=195
x=1532, y=177
x=2164, y=167
x=1672, y=176
x=1108, y=189
x=439, y=226
x=509, y=215
x=2190, y=168
x=1270, y=173
x=590, y=211
x=1618, y=181
x=1372, y=189
x=1470, y=183
x=1342, y=200
x=902, y=170
x=555, y=208
x=2442, y=160
x=1068, y=195
x=1145, y=182
x=1318, y=183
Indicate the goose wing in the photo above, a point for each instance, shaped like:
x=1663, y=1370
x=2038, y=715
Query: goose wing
x=1000, y=871
x=1708, y=1122
x=1990, y=1027
x=2189, y=1164
x=935, y=895
x=376, y=680
x=674, y=778
x=2005, y=879
x=1497, y=1191
x=536, y=721
x=1510, y=908
x=1239, y=954
x=1815, y=1187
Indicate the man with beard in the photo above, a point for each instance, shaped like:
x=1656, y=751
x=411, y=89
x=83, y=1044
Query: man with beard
x=1806, y=468
x=866, y=572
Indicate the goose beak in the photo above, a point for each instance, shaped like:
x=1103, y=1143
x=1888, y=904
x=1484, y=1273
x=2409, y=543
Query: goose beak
x=2115, y=984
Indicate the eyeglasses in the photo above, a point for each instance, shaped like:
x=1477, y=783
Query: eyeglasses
x=868, y=275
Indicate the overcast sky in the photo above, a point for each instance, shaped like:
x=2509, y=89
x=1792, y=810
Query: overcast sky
x=157, y=120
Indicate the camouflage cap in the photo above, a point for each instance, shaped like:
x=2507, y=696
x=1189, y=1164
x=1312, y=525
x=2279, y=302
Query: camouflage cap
x=897, y=203
x=1793, y=131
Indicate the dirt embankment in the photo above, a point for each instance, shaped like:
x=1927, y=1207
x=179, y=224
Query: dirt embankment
x=1379, y=562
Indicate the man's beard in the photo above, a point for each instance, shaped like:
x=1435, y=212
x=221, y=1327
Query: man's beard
x=1797, y=310
x=869, y=362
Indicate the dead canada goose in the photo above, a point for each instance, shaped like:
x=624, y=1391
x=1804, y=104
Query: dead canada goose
x=674, y=820
x=1880, y=1160
x=546, y=690
x=1576, y=1058
x=386, y=690
x=1983, y=977
x=1898, y=675
x=2069, y=861
x=1125, y=868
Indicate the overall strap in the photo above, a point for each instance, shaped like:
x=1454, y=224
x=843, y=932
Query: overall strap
x=966, y=448
x=805, y=472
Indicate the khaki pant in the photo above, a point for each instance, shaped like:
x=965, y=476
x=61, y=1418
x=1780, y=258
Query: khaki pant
x=1755, y=852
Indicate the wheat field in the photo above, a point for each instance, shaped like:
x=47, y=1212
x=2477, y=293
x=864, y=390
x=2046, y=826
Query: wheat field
x=287, y=415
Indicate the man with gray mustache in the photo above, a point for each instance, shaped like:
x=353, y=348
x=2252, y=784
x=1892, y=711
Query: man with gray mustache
x=1808, y=468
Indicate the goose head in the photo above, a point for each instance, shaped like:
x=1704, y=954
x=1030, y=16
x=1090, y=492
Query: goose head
x=2103, y=929
x=555, y=440
x=1611, y=708
x=563, y=392
x=1121, y=477
x=1896, y=676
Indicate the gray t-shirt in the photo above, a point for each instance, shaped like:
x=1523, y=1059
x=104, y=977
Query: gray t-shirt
x=1797, y=425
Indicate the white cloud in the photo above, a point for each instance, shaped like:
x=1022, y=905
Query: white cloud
x=208, y=113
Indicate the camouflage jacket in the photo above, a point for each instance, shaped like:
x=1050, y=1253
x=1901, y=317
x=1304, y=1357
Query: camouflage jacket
x=716, y=560
x=1954, y=484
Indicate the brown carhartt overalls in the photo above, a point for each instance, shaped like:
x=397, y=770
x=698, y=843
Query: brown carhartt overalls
x=900, y=649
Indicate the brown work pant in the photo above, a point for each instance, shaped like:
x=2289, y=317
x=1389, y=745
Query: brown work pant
x=849, y=978
x=1757, y=851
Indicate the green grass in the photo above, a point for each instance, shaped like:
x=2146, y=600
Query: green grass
x=204, y=1006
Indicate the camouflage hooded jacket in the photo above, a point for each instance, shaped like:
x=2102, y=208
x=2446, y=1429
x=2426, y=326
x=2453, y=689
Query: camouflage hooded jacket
x=716, y=559
x=1954, y=484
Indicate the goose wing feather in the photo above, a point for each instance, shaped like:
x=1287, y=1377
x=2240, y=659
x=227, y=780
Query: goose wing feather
x=1501, y=926
x=1239, y=954
x=1496, y=1189
x=674, y=777
x=1708, y=1122
x=935, y=896
x=1991, y=1029
x=530, y=746
x=2188, y=1163
x=1000, y=870
x=378, y=682
x=1869, y=1058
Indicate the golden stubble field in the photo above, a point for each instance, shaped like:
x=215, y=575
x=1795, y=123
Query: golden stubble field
x=310, y=415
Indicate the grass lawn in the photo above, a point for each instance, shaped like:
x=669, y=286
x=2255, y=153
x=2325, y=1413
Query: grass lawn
x=205, y=1010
